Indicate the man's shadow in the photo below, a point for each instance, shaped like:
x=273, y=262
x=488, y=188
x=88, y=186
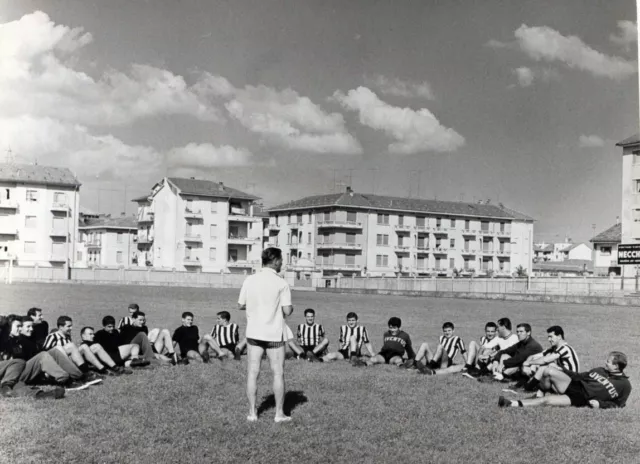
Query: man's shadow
x=291, y=400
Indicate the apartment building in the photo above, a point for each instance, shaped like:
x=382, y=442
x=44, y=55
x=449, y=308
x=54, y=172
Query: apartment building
x=360, y=234
x=630, y=217
x=605, y=251
x=38, y=215
x=199, y=226
x=108, y=242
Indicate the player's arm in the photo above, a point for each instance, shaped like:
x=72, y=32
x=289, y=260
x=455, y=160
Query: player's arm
x=242, y=299
x=541, y=361
x=285, y=301
x=369, y=347
x=409, y=349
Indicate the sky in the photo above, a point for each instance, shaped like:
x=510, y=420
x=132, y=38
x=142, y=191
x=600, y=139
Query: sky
x=519, y=103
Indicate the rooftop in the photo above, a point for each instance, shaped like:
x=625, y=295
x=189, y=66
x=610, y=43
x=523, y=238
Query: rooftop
x=36, y=174
x=544, y=249
x=126, y=222
x=568, y=265
x=633, y=140
x=612, y=235
x=208, y=188
x=380, y=202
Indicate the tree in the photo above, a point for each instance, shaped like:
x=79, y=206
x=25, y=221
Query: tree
x=521, y=271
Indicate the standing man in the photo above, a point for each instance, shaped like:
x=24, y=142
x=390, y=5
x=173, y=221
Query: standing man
x=267, y=299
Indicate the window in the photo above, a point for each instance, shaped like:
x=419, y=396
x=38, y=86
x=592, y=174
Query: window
x=212, y=254
x=502, y=226
x=308, y=237
x=189, y=205
x=309, y=256
x=637, y=186
x=484, y=226
x=299, y=218
x=420, y=222
x=119, y=257
x=381, y=239
x=467, y=224
x=309, y=219
x=120, y=238
x=636, y=215
x=350, y=259
x=60, y=198
x=213, y=231
x=452, y=243
x=327, y=215
x=58, y=224
x=453, y=223
x=288, y=219
x=214, y=206
x=467, y=242
x=352, y=217
x=29, y=247
x=438, y=222
x=30, y=222
x=32, y=195
x=605, y=251
x=438, y=243
x=400, y=220
x=382, y=260
x=351, y=238
x=383, y=219
x=452, y=263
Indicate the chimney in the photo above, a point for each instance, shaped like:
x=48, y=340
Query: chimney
x=192, y=178
x=617, y=220
x=349, y=191
x=220, y=186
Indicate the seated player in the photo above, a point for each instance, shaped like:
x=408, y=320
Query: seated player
x=87, y=334
x=510, y=360
x=395, y=343
x=61, y=340
x=188, y=344
x=478, y=354
x=560, y=356
x=352, y=337
x=136, y=324
x=292, y=347
x=137, y=353
x=159, y=338
x=311, y=337
x=603, y=387
x=40, y=326
x=227, y=336
x=440, y=362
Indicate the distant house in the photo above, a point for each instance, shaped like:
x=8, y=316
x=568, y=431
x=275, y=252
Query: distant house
x=577, y=251
x=543, y=252
x=605, y=251
x=569, y=267
x=107, y=241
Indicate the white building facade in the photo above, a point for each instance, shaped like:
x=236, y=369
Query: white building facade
x=199, y=226
x=108, y=242
x=38, y=215
x=355, y=234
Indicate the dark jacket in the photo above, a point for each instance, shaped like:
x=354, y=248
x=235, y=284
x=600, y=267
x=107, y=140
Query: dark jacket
x=610, y=390
x=519, y=352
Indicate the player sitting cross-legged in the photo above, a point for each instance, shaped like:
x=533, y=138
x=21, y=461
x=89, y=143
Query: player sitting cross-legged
x=352, y=337
x=160, y=338
x=312, y=337
x=440, y=362
x=163, y=344
x=136, y=353
x=188, y=343
x=395, y=343
x=478, y=353
x=227, y=335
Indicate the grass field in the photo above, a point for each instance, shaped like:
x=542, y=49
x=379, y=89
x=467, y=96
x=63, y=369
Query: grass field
x=196, y=413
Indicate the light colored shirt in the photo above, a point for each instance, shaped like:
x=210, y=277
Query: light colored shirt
x=505, y=343
x=494, y=343
x=264, y=294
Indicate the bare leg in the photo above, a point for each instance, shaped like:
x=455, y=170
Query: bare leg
x=71, y=350
x=337, y=356
x=209, y=342
x=321, y=347
x=194, y=356
x=377, y=359
x=424, y=352
x=276, y=360
x=551, y=400
x=102, y=355
x=254, y=359
x=90, y=357
x=472, y=353
x=295, y=347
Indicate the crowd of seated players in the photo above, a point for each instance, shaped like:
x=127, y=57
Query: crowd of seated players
x=32, y=356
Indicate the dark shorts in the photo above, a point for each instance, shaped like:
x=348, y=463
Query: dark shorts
x=577, y=394
x=387, y=355
x=311, y=348
x=266, y=345
x=231, y=347
x=345, y=353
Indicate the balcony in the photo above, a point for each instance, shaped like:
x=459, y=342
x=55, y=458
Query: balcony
x=192, y=214
x=486, y=252
x=300, y=267
x=191, y=261
x=468, y=252
x=241, y=240
x=190, y=237
x=60, y=207
x=58, y=233
x=325, y=224
x=402, y=228
x=93, y=243
x=8, y=203
x=439, y=270
x=242, y=215
x=8, y=229
x=242, y=263
x=273, y=227
x=503, y=253
x=145, y=240
x=294, y=225
x=440, y=250
x=422, y=229
x=402, y=248
x=468, y=271
x=486, y=233
x=503, y=233
x=294, y=245
x=422, y=270
x=339, y=246
x=57, y=258
x=339, y=267
x=469, y=232
x=423, y=249
x=440, y=230
x=146, y=217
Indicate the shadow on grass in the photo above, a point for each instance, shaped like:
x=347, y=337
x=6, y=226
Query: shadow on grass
x=291, y=400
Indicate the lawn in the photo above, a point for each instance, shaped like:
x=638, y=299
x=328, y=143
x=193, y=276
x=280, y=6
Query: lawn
x=196, y=413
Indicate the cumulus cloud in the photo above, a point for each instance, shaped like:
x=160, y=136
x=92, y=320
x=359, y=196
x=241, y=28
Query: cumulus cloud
x=590, y=141
x=627, y=34
x=546, y=44
x=399, y=88
x=414, y=131
x=283, y=117
x=524, y=75
x=206, y=155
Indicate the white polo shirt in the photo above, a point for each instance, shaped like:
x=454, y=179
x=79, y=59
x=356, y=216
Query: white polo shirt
x=505, y=343
x=264, y=294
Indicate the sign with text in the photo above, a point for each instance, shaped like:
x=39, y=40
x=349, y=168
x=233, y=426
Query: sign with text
x=629, y=253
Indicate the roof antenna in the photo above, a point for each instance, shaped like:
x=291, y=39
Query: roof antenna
x=9, y=158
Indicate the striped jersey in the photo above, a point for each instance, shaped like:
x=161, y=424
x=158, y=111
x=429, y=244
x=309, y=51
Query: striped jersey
x=346, y=332
x=452, y=345
x=310, y=335
x=494, y=343
x=225, y=335
x=125, y=321
x=567, y=357
x=56, y=339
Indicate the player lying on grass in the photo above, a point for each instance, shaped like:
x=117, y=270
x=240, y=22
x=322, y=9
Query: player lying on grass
x=510, y=360
x=311, y=337
x=559, y=356
x=395, y=344
x=163, y=344
x=135, y=353
x=603, y=387
x=440, y=362
x=95, y=355
x=188, y=343
x=352, y=337
x=159, y=338
x=227, y=336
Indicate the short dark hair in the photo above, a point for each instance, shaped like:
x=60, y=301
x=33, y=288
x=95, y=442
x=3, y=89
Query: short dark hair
x=448, y=325
x=619, y=359
x=556, y=330
x=490, y=324
x=395, y=322
x=352, y=315
x=84, y=329
x=33, y=311
x=187, y=314
x=26, y=319
x=134, y=306
x=271, y=254
x=137, y=314
x=108, y=320
x=505, y=322
x=309, y=311
x=62, y=321
x=525, y=326
x=224, y=315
